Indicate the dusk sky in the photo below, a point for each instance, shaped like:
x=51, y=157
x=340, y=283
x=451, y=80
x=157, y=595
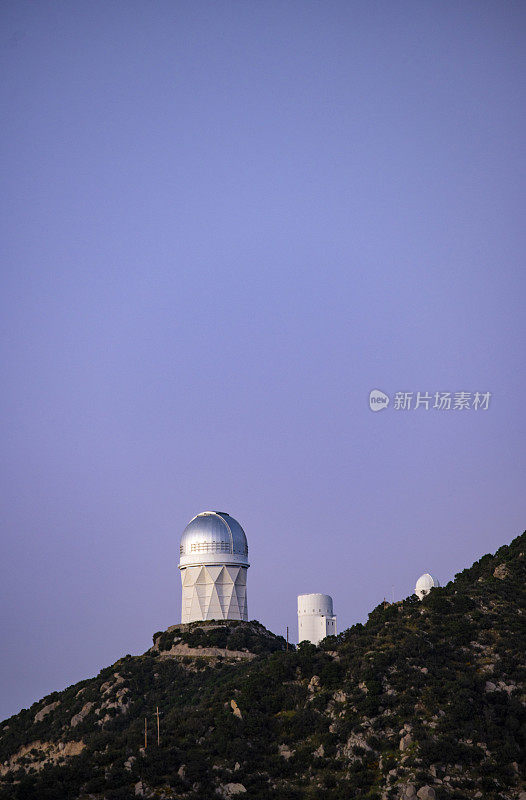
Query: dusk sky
x=223, y=224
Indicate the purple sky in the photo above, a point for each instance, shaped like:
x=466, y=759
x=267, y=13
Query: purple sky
x=224, y=224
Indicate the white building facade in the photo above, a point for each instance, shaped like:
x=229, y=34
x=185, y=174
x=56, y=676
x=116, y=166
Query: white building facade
x=213, y=564
x=316, y=619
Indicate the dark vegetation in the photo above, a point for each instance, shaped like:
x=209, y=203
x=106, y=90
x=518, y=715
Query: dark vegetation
x=229, y=635
x=446, y=673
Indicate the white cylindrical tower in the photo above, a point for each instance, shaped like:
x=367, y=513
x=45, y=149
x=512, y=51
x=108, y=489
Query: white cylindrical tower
x=424, y=584
x=315, y=617
x=213, y=564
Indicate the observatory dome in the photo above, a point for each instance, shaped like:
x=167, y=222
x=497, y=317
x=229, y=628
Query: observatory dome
x=424, y=584
x=316, y=619
x=213, y=564
x=213, y=532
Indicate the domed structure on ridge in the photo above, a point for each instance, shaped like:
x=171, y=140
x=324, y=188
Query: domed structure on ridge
x=213, y=532
x=316, y=618
x=424, y=584
x=213, y=563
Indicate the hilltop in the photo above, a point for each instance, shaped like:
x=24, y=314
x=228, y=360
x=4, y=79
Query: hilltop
x=426, y=700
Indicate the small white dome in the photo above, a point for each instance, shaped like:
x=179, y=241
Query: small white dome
x=315, y=604
x=424, y=584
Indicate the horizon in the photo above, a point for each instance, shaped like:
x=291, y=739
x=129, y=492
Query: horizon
x=226, y=621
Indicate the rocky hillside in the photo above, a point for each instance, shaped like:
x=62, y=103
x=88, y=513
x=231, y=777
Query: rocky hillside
x=425, y=701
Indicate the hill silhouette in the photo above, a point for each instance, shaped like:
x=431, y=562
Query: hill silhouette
x=426, y=700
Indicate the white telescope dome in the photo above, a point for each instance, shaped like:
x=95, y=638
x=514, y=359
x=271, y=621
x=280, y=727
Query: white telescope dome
x=316, y=618
x=213, y=563
x=424, y=584
x=315, y=604
x=213, y=532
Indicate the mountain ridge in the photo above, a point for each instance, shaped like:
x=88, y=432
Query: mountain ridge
x=425, y=700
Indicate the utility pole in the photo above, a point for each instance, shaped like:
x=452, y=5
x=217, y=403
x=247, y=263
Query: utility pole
x=287, y=638
x=158, y=736
x=145, y=733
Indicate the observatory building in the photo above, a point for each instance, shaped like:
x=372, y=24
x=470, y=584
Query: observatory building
x=424, y=584
x=213, y=564
x=315, y=617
